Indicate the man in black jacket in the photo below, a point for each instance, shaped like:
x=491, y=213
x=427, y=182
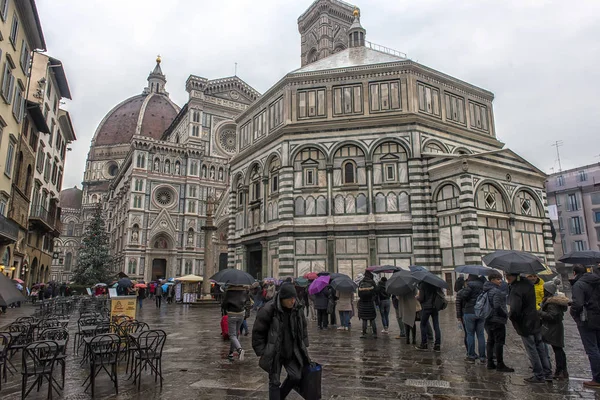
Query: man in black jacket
x=585, y=310
x=280, y=338
x=524, y=317
x=495, y=324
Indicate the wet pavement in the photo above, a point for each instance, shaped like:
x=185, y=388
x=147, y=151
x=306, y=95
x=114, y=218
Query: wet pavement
x=195, y=365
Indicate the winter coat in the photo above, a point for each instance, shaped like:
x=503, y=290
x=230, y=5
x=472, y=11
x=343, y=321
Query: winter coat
x=523, y=314
x=427, y=295
x=322, y=299
x=367, y=292
x=539, y=293
x=586, y=293
x=267, y=334
x=158, y=291
x=345, y=300
x=382, y=294
x=497, y=299
x=551, y=313
x=468, y=295
x=235, y=300
x=407, y=308
x=459, y=284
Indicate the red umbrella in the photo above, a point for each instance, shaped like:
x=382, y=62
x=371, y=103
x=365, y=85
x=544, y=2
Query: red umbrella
x=19, y=281
x=311, y=276
x=140, y=285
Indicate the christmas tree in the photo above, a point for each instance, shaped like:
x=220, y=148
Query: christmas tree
x=95, y=261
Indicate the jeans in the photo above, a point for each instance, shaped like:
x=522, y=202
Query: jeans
x=475, y=326
x=345, y=318
x=435, y=316
x=495, y=344
x=244, y=327
x=373, y=326
x=158, y=301
x=140, y=302
x=561, y=359
x=294, y=376
x=322, y=318
x=384, y=310
x=591, y=343
x=400, y=322
x=234, y=323
x=536, y=351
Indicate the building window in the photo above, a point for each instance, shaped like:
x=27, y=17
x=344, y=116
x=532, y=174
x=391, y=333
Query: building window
x=349, y=172
x=192, y=207
x=560, y=180
x=390, y=172
x=274, y=183
x=70, y=228
x=54, y=173
x=139, y=185
x=572, y=202
x=132, y=266
x=310, y=176
x=10, y=154
x=576, y=226
x=8, y=81
x=194, y=168
x=276, y=113
x=3, y=206
x=3, y=9
x=347, y=100
x=598, y=234
x=595, y=198
x=260, y=125
x=384, y=96
x=311, y=103
x=24, y=59
x=478, y=116
x=245, y=135
x=137, y=201
x=188, y=267
x=579, y=245
x=582, y=176
x=68, y=261
x=195, y=131
x=429, y=99
x=141, y=161
x=597, y=217
x=206, y=120
x=193, y=191
x=455, y=108
x=490, y=200
x=14, y=31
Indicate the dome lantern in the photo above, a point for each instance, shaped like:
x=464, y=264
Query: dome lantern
x=356, y=33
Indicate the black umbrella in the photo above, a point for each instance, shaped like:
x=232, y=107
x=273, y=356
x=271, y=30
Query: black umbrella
x=337, y=275
x=514, y=262
x=473, y=269
x=415, y=268
x=323, y=273
x=384, y=269
x=124, y=282
x=428, y=277
x=232, y=276
x=8, y=292
x=401, y=283
x=343, y=284
x=587, y=257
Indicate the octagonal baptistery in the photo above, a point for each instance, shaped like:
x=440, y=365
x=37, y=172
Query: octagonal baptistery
x=365, y=157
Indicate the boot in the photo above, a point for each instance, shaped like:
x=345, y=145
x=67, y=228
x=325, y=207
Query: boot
x=503, y=368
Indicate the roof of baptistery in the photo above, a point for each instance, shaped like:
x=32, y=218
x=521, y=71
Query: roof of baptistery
x=147, y=114
x=71, y=198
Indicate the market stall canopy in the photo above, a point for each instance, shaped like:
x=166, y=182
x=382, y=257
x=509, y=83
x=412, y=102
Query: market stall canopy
x=190, y=278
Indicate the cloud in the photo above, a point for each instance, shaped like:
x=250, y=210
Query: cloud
x=538, y=57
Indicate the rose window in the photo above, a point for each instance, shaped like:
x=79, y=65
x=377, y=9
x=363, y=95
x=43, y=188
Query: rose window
x=164, y=196
x=227, y=139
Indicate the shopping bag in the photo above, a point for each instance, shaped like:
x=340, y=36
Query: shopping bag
x=310, y=385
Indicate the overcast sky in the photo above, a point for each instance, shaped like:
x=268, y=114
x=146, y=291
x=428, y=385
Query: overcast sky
x=539, y=58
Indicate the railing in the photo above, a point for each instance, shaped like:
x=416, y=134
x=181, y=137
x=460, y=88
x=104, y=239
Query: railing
x=384, y=49
x=8, y=229
x=40, y=212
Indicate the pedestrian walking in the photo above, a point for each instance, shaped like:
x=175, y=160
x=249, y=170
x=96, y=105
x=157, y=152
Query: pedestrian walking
x=344, y=306
x=460, y=311
x=495, y=324
x=426, y=297
x=384, y=305
x=525, y=320
x=159, y=295
x=331, y=307
x=552, y=310
x=585, y=310
x=280, y=339
x=141, y=295
x=234, y=304
x=321, y=301
x=367, y=293
x=474, y=326
x=396, y=304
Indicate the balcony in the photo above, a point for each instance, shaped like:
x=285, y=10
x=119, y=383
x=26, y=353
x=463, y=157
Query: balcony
x=9, y=231
x=44, y=220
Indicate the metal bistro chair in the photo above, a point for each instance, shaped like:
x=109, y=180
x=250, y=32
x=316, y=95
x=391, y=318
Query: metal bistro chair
x=84, y=329
x=4, y=342
x=38, y=361
x=61, y=337
x=104, y=355
x=129, y=345
x=22, y=333
x=148, y=352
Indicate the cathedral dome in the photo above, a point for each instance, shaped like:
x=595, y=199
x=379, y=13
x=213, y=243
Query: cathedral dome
x=71, y=198
x=147, y=114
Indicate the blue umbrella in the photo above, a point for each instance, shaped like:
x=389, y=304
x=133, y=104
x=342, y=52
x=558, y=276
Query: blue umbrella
x=474, y=269
x=171, y=280
x=165, y=287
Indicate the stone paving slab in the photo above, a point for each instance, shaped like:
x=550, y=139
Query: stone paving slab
x=195, y=365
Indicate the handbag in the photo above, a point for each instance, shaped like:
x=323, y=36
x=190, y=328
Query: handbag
x=310, y=385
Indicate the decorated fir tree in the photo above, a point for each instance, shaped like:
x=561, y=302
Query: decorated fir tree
x=95, y=261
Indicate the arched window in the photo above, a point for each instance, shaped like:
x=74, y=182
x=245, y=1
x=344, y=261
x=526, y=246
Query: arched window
x=141, y=161
x=525, y=204
x=94, y=198
x=339, y=204
x=392, y=202
x=274, y=175
x=310, y=206
x=70, y=228
x=350, y=204
x=299, y=206
x=132, y=266
x=321, y=205
x=432, y=147
x=380, y=202
x=489, y=198
x=403, y=202
x=188, y=267
x=349, y=172
x=361, y=204
x=68, y=261
x=255, y=185
x=194, y=168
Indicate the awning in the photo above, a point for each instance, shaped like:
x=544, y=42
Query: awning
x=190, y=278
x=36, y=114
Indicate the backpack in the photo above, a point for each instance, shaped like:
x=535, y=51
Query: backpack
x=439, y=301
x=483, y=306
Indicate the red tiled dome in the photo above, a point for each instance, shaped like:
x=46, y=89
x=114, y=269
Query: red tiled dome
x=71, y=198
x=121, y=123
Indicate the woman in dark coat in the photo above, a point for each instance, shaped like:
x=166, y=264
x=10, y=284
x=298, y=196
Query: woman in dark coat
x=367, y=293
x=552, y=310
x=321, y=301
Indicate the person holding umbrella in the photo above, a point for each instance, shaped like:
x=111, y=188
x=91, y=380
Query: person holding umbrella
x=384, y=304
x=495, y=324
x=429, y=309
x=367, y=293
x=321, y=300
x=234, y=304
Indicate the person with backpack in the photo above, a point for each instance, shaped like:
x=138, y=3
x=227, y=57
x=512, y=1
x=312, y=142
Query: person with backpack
x=367, y=293
x=384, y=304
x=553, y=307
x=474, y=324
x=321, y=300
x=432, y=302
x=524, y=317
x=495, y=314
x=585, y=310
